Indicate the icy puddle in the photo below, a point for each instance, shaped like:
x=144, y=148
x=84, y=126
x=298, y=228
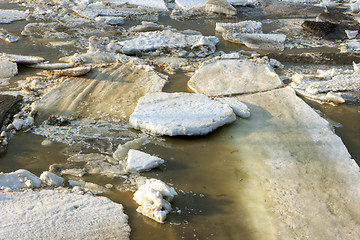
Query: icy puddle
x=282, y=173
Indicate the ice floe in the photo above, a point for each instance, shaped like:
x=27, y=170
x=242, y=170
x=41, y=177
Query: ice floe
x=122, y=150
x=239, y=108
x=6, y=36
x=35, y=215
x=8, y=69
x=18, y=180
x=8, y=15
x=248, y=26
x=52, y=179
x=151, y=41
x=160, y=4
x=51, y=66
x=69, y=72
x=21, y=58
x=272, y=42
x=179, y=114
x=154, y=198
x=138, y=161
x=190, y=4
x=228, y=77
x=111, y=91
x=301, y=173
x=220, y=7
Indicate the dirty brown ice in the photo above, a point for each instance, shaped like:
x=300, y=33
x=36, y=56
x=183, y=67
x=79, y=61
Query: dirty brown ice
x=179, y=119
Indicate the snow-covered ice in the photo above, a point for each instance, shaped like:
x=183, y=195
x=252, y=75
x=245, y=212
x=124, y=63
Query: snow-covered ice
x=160, y=4
x=21, y=58
x=180, y=114
x=160, y=40
x=19, y=179
x=239, y=108
x=248, y=26
x=52, y=179
x=138, y=161
x=8, y=68
x=8, y=15
x=54, y=215
x=190, y=4
x=154, y=198
x=261, y=41
x=228, y=77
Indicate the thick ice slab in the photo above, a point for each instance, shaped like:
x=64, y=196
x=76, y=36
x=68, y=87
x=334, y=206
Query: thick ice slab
x=54, y=215
x=109, y=91
x=160, y=4
x=190, y=4
x=160, y=40
x=8, y=69
x=8, y=16
x=138, y=161
x=180, y=114
x=17, y=180
x=228, y=77
x=302, y=181
x=21, y=58
x=272, y=42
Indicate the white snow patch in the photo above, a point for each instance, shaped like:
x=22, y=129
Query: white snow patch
x=19, y=179
x=138, y=161
x=53, y=215
x=237, y=106
x=51, y=179
x=154, y=199
x=190, y=4
x=179, y=114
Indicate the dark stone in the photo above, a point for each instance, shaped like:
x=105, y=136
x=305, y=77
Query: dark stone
x=320, y=29
x=8, y=106
x=337, y=18
x=55, y=120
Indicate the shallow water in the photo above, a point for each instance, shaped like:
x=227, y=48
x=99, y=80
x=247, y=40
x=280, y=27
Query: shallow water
x=206, y=171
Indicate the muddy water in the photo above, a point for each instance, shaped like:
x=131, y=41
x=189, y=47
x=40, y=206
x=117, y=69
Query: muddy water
x=206, y=171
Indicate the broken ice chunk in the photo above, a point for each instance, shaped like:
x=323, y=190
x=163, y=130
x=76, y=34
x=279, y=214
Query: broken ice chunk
x=138, y=161
x=19, y=179
x=239, y=108
x=51, y=179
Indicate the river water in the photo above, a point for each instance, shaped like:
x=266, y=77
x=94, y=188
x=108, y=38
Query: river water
x=206, y=171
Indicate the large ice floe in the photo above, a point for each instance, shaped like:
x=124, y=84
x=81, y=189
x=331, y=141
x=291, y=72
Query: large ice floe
x=180, y=114
x=54, y=215
x=154, y=198
x=8, y=16
x=228, y=77
x=111, y=91
x=199, y=45
x=18, y=180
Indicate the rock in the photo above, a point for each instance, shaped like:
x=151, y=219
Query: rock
x=56, y=120
x=18, y=180
x=8, y=69
x=239, y=108
x=111, y=91
x=9, y=16
x=154, y=199
x=49, y=66
x=228, y=77
x=179, y=114
x=21, y=59
x=6, y=36
x=271, y=42
x=69, y=72
x=52, y=179
x=164, y=40
x=138, y=161
x=320, y=29
x=8, y=105
x=123, y=149
x=220, y=7
x=110, y=20
x=248, y=26
x=35, y=215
